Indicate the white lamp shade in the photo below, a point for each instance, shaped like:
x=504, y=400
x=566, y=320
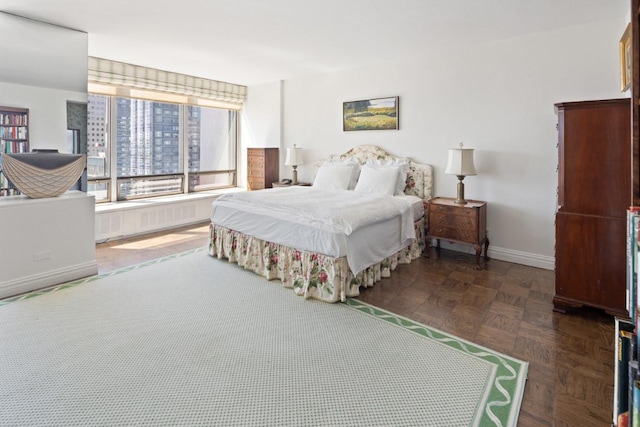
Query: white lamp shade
x=460, y=162
x=294, y=156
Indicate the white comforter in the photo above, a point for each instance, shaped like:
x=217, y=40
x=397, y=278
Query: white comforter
x=366, y=228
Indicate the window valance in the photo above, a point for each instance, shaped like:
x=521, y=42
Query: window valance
x=105, y=72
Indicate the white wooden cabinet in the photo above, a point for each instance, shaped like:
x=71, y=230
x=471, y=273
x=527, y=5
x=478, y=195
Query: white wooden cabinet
x=45, y=242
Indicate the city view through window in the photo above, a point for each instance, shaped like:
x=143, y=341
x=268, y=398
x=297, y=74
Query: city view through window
x=143, y=148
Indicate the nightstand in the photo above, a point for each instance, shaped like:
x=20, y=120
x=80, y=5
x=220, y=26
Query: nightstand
x=458, y=223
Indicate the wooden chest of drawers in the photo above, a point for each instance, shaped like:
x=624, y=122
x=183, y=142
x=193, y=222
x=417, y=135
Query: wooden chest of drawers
x=458, y=223
x=594, y=191
x=262, y=167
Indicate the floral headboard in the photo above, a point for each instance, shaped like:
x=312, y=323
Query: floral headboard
x=420, y=176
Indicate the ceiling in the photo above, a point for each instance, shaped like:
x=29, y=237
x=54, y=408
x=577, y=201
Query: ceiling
x=257, y=41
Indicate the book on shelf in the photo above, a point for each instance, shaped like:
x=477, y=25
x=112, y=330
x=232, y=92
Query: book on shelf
x=18, y=118
x=632, y=377
x=624, y=350
x=14, y=146
x=623, y=420
x=634, y=415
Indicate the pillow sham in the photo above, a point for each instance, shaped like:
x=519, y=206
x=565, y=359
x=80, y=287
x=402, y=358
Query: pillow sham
x=403, y=171
x=377, y=180
x=333, y=177
x=351, y=163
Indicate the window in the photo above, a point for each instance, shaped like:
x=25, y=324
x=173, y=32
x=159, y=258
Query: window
x=97, y=148
x=212, y=159
x=141, y=148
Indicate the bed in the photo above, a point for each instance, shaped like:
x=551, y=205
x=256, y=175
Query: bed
x=361, y=218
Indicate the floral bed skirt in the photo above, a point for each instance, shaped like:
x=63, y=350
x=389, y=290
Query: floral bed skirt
x=310, y=274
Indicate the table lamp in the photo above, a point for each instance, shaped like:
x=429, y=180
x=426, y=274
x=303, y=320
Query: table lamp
x=460, y=163
x=294, y=159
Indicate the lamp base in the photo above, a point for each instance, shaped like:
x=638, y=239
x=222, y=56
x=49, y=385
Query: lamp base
x=460, y=199
x=295, y=176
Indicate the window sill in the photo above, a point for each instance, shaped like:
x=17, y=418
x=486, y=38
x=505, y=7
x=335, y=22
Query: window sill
x=160, y=200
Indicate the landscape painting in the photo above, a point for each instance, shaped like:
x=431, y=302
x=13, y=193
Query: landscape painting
x=371, y=114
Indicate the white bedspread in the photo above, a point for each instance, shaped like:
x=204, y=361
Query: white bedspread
x=366, y=228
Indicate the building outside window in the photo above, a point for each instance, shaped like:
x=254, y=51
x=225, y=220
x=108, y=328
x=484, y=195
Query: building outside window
x=141, y=148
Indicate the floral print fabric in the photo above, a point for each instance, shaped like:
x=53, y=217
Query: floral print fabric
x=310, y=274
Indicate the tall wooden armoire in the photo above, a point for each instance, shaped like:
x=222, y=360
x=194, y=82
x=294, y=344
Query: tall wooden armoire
x=594, y=193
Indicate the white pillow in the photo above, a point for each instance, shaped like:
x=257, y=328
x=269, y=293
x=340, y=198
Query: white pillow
x=403, y=171
x=351, y=163
x=377, y=180
x=333, y=177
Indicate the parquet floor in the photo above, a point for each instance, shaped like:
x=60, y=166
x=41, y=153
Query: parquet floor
x=506, y=307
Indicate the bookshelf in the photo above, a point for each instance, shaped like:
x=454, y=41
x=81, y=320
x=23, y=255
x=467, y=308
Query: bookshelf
x=626, y=396
x=14, y=138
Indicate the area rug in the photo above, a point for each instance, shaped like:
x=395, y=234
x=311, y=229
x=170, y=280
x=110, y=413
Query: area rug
x=191, y=340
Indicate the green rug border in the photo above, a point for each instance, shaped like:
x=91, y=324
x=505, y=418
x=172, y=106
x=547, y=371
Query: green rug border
x=74, y=283
x=508, y=380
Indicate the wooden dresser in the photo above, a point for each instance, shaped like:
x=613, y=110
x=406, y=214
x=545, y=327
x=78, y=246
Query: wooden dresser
x=263, y=167
x=594, y=193
x=455, y=222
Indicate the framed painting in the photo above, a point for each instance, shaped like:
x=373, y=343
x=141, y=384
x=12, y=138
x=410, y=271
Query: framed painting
x=370, y=114
x=625, y=59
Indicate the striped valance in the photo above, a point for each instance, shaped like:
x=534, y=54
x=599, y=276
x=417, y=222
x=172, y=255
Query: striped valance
x=120, y=74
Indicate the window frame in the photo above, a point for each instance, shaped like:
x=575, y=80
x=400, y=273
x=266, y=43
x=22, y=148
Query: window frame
x=115, y=182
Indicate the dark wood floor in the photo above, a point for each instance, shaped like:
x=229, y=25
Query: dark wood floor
x=506, y=307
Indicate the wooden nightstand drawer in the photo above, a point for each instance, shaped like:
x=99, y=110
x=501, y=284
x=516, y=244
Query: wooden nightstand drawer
x=440, y=219
x=457, y=234
x=442, y=231
x=451, y=210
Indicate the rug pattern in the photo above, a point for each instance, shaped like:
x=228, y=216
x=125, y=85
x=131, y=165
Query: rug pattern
x=166, y=342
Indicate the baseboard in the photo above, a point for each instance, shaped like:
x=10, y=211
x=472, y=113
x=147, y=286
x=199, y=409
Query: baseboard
x=524, y=258
x=508, y=255
x=46, y=279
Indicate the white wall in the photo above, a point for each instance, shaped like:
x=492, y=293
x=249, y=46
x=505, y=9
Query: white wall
x=47, y=112
x=261, y=123
x=497, y=98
